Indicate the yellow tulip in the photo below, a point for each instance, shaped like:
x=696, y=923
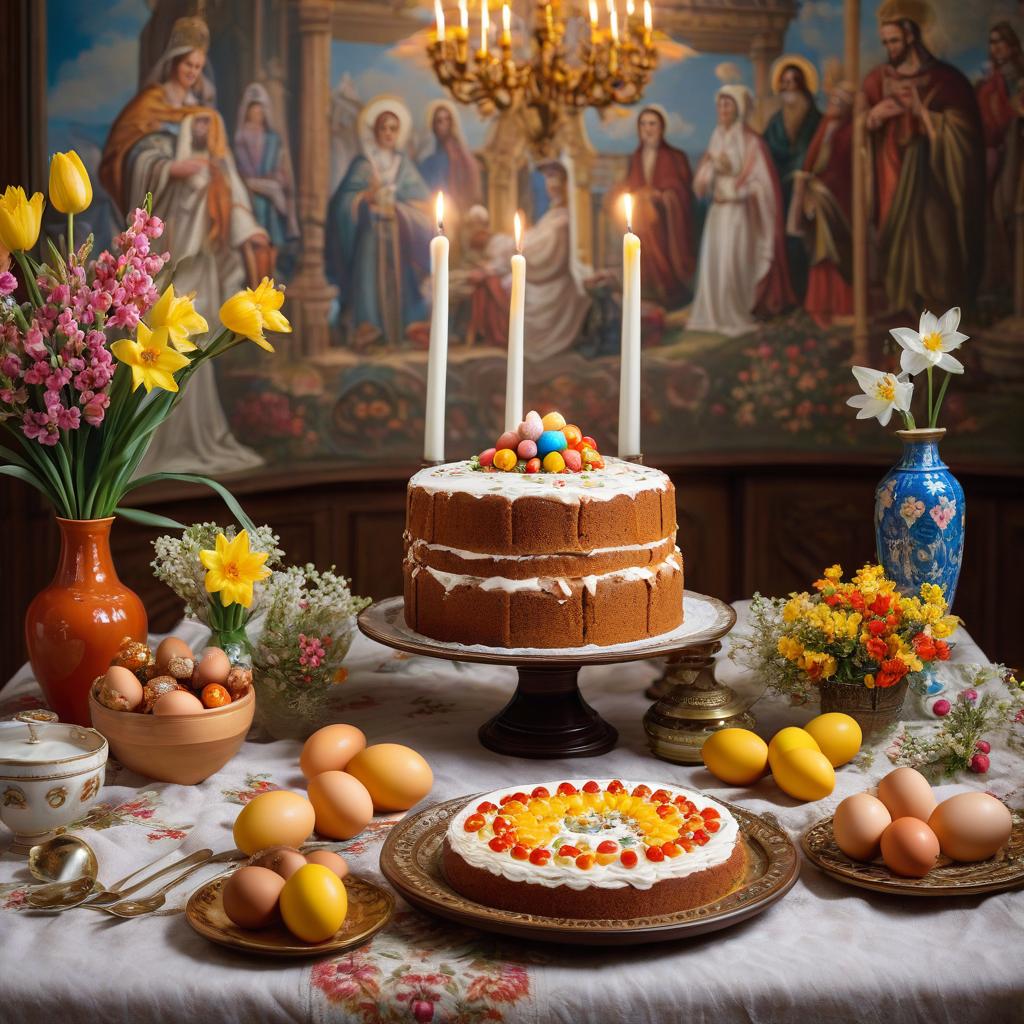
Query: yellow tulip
x=250, y=311
x=153, y=362
x=232, y=568
x=70, y=187
x=177, y=314
x=20, y=219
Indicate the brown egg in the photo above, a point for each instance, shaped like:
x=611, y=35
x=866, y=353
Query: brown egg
x=342, y=804
x=329, y=859
x=858, y=825
x=171, y=647
x=284, y=860
x=120, y=690
x=330, y=749
x=971, y=826
x=250, y=896
x=396, y=776
x=907, y=794
x=178, y=702
x=213, y=667
x=909, y=848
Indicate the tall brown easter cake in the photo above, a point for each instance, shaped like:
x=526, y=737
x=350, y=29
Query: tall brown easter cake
x=594, y=849
x=516, y=559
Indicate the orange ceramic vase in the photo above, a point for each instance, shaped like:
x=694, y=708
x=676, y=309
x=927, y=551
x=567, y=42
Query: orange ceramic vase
x=75, y=625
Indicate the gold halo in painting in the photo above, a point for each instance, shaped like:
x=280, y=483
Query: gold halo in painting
x=810, y=72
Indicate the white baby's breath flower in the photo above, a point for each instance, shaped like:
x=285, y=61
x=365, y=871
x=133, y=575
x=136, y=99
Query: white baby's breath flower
x=883, y=392
x=931, y=344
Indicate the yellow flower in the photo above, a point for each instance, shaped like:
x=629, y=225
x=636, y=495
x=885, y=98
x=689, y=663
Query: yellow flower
x=20, y=218
x=232, y=569
x=943, y=627
x=790, y=648
x=252, y=311
x=177, y=314
x=932, y=594
x=70, y=187
x=869, y=681
x=834, y=573
x=153, y=362
x=911, y=660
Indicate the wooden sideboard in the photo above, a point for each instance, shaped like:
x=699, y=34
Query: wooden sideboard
x=743, y=528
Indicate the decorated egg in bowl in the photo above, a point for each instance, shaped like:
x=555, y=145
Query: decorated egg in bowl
x=50, y=775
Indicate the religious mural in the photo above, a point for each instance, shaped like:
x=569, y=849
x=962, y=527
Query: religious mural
x=299, y=139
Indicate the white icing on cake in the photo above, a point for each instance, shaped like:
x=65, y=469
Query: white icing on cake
x=617, y=478
x=615, y=875
x=470, y=555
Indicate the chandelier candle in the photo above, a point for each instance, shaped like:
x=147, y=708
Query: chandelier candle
x=437, y=359
x=629, y=359
x=516, y=319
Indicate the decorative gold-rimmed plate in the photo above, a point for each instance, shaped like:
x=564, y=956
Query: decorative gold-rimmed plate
x=369, y=908
x=948, y=878
x=411, y=861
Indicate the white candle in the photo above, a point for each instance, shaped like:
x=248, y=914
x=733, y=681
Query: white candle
x=464, y=16
x=506, y=25
x=485, y=25
x=437, y=359
x=593, y=17
x=439, y=19
x=629, y=379
x=516, y=320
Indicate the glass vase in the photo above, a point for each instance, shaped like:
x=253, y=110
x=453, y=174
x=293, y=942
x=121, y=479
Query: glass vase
x=234, y=642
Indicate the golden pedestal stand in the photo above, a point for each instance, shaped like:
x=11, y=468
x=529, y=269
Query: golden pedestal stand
x=691, y=704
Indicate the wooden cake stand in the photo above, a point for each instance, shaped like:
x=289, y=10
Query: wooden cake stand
x=547, y=716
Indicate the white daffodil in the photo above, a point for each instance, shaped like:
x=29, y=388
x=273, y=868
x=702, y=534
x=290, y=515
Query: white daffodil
x=883, y=392
x=931, y=344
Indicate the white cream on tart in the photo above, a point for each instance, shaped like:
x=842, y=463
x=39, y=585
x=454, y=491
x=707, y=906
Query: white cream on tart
x=618, y=478
x=607, y=834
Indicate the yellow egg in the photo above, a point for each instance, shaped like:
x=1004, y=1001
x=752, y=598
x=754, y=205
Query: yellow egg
x=396, y=776
x=790, y=738
x=804, y=774
x=838, y=735
x=736, y=756
x=314, y=903
x=553, y=421
x=277, y=818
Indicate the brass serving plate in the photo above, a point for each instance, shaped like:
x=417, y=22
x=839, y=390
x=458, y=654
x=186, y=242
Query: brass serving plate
x=369, y=908
x=411, y=855
x=948, y=878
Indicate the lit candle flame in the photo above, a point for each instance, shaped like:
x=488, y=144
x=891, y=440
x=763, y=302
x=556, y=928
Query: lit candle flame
x=517, y=226
x=506, y=20
x=630, y=8
x=593, y=15
x=439, y=18
x=485, y=25
x=647, y=15
x=439, y=212
x=464, y=15
x=627, y=204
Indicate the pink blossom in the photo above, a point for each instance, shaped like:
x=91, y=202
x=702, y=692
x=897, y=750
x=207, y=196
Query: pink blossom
x=8, y=283
x=95, y=408
x=34, y=346
x=39, y=427
x=38, y=372
x=10, y=366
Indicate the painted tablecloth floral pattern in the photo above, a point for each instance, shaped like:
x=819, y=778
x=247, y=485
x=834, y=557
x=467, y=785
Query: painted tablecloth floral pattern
x=83, y=966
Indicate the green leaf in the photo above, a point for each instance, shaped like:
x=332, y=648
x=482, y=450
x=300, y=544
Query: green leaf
x=30, y=478
x=139, y=515
x=191, y=478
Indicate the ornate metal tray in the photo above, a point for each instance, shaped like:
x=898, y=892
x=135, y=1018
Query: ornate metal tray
x=369, y=908
x=948, y=878
x=410, y=861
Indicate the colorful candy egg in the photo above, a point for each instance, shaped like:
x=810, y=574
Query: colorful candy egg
x=573, y=460
x=551, y=441
x=526, y=449
x=553, y=421
x=505, y=459
x=486, y=457
x=553, y=463
x=507, y=440
x=573, y=434
x=532, y=427
x=533, y=465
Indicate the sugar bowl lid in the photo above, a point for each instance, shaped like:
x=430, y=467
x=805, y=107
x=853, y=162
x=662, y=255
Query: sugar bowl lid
x=36, y=737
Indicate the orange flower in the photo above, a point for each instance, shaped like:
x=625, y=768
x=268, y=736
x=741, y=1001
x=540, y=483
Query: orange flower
x=942, y=650
x=877, y=648
x=892, y=671
x=876, y=627
x=924, y=647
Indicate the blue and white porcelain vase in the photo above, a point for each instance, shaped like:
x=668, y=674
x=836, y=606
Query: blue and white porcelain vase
x=920, y=517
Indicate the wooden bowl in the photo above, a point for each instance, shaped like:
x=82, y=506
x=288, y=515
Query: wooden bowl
x=175, y=748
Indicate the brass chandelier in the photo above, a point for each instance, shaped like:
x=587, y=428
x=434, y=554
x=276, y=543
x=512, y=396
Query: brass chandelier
x=575, y=60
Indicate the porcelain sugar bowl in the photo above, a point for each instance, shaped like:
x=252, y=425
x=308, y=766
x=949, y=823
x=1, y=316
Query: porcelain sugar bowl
x=50, y=775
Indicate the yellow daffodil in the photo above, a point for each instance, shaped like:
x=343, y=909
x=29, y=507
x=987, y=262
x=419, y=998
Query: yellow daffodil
x=20, y=219
x=251, y=311
x=232, y=569
x=70, y=187
x=153, y=362
x=178, y=316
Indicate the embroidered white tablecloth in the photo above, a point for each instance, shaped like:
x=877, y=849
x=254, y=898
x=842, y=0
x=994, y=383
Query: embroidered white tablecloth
x=826, y=952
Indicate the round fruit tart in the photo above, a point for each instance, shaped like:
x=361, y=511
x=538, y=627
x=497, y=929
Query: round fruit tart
x=596, y=849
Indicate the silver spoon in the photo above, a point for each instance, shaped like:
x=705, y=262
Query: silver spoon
x=67, y=897
x=147, y=904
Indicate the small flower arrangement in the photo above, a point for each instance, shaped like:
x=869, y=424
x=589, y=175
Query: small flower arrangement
x=926, y=349
x=861, y=633
x=299, y=654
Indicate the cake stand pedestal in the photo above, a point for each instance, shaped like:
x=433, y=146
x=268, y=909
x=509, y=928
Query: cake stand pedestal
x=547, y=716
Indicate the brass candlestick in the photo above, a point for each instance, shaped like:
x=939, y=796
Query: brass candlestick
x=692, y=703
